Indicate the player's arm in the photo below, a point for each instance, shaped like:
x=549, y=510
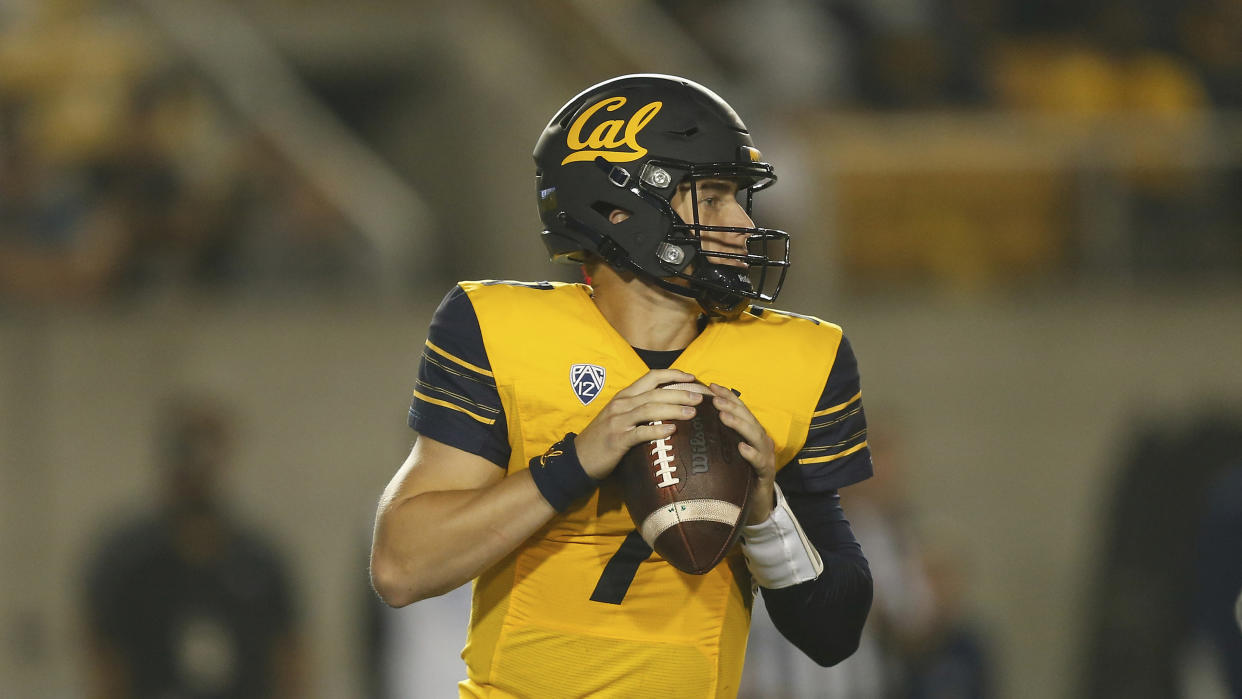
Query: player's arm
x=442, y=517
x=448, y=514
x=445, y=517
x=816, y=583
x=824, y=616
x=799, y=547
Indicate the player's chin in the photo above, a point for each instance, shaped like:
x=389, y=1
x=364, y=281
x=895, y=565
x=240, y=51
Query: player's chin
x=719, y=262
x=727, y=261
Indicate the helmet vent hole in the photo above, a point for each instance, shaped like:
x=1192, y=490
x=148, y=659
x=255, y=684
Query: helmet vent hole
x=686, y=133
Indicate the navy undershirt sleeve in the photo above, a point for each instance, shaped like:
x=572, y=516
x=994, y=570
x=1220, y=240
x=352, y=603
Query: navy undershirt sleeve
x=824, y=617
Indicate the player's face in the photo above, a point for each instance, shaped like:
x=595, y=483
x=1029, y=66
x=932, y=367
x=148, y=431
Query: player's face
x=717, y=206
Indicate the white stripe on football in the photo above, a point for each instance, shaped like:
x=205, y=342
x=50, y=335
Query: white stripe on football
x=660, y=520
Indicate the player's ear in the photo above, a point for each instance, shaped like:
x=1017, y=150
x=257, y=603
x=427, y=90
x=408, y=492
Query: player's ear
x=617, y=216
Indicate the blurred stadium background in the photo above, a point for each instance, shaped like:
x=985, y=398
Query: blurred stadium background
x=1027, y=215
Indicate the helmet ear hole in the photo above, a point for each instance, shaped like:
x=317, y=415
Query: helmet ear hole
x=606, y=210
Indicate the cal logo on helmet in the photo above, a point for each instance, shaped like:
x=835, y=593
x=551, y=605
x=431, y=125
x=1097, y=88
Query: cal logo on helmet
x=614, y=140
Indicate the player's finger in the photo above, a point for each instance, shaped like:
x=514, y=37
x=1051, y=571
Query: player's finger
x=753, y=456
x=749, y=430
x=735, y=414
x=627, y=407
x=654, y=378
x=671, y=394
x=649, y=433
x=662, y=394
x=726, y=395
x=727, y=402
x=740, y=412
x=650, y=412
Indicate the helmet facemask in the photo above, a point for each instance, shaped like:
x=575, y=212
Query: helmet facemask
x=720, y=288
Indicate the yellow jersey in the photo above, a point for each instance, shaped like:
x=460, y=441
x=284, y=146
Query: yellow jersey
x=583, y=607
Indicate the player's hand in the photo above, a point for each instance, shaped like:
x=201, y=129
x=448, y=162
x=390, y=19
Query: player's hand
x=624, y=421
x=757, y=448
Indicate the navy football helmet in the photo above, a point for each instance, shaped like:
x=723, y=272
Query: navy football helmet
x=628, y=143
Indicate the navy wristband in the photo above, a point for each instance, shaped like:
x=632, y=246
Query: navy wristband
x=559, y=475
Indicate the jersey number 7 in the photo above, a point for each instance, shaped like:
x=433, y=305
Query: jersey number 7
x=619, y=572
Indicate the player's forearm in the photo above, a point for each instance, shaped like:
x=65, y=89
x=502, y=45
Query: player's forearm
x=434, y=542
x=824, y=617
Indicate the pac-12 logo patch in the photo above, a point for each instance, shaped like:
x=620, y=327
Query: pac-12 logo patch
x=587, y=380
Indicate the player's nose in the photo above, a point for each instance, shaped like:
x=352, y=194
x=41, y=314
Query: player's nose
x=735, y=216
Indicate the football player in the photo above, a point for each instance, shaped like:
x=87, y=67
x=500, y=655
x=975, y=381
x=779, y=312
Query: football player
x=528, y=395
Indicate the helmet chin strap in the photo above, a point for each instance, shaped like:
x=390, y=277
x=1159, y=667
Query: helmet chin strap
x=718, y=302
x=715, y=302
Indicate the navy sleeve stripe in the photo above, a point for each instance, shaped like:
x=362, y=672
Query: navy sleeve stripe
x=836, y=408
x=852, y=439
x=446, y=428
x=840, y=418
x=463, y=401
x=430, y=358
x=459, y=361
x=832, y=457
x=452, y=406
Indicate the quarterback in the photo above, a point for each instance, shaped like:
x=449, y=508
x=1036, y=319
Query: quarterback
x=529, y=394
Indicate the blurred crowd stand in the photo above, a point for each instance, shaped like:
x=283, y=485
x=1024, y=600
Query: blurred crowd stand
x=63, y=91
x=124, y=170
x=1089, y=128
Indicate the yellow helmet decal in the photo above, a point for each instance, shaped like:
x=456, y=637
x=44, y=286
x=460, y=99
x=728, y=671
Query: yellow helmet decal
x=609, y=137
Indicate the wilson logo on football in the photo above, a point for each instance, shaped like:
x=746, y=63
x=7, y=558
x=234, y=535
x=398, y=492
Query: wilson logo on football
x=614, y=140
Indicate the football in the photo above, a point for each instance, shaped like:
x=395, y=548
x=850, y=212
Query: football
x=689, y=493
